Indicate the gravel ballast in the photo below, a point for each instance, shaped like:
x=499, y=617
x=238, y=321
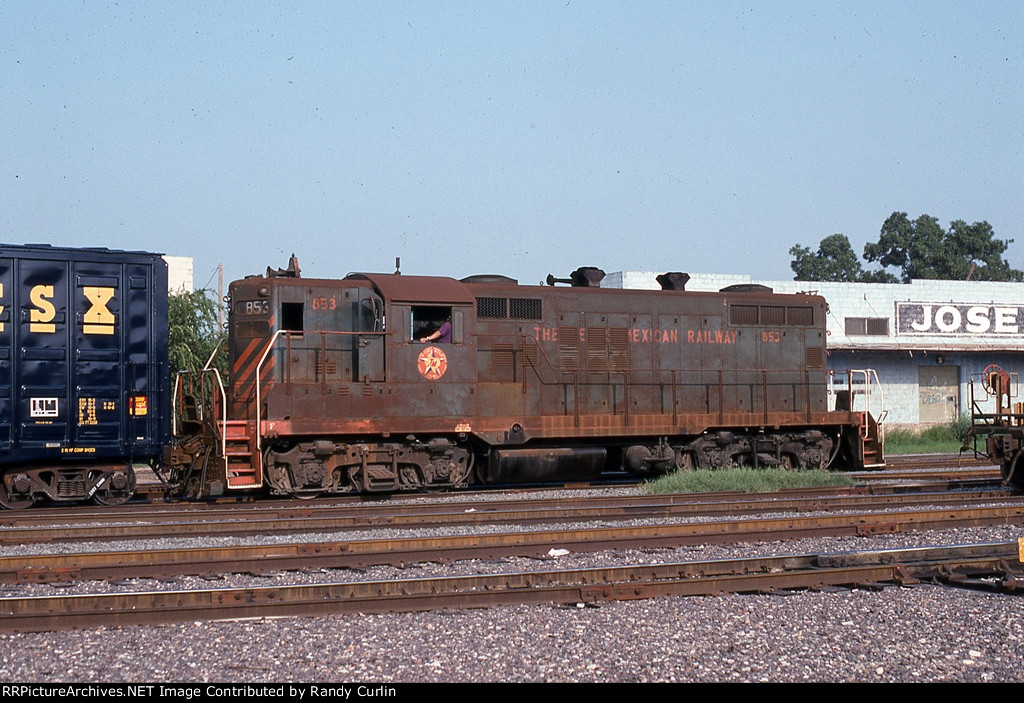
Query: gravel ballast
x=918, y=633
x=924, y=633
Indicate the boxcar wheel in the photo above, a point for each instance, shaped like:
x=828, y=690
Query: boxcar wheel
x=12, y=499
x=117, y=489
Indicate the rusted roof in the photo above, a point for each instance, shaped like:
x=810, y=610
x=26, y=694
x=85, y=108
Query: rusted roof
x=418, y=289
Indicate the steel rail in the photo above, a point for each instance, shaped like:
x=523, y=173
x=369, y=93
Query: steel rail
x=361, y=553
x=560, y=586
x=260, y=521
x=408, y=505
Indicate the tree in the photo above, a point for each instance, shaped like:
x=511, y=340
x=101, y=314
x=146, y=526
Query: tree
x=919, y=249
x=922, y=249
x=834, y=261
x=194, y=332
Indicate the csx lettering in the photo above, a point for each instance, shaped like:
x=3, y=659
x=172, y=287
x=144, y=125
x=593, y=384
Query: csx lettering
x=325, y=303
x=98, y=319
x=42, y=315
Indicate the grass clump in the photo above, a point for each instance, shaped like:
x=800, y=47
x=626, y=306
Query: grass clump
x=939, y=439
x=743, y=480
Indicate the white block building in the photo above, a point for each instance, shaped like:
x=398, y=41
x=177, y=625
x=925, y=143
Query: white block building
x=925, y=338
x=179, y=274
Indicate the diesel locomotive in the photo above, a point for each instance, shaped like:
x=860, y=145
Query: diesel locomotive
x=386, y=382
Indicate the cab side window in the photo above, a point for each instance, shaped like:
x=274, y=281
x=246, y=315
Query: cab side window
x=428, y=319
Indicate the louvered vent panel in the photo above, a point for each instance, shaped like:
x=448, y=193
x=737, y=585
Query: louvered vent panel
x=569, y=348
x=815, y=357
x=328, y=369
x=503, y=357
x=531, y=352
x=618, y=356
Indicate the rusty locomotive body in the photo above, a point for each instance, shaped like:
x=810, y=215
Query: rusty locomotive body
x=383, y=382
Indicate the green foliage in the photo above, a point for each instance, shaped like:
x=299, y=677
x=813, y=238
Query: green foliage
x=834, y=261
x=194, y=332
x=743, y=480
x=938, y=439
x=918, y=249
x=922, y=249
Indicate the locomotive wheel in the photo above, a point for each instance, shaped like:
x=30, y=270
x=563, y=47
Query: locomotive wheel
x=12, y=501
x=311, y=495
x=117, y=489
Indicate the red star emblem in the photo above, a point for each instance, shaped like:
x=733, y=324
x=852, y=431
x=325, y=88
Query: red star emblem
x=432, y=363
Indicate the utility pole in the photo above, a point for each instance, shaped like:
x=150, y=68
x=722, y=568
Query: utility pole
x=220, y=296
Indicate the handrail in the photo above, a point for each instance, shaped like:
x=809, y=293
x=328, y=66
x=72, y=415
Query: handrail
x=288, y=334
x=224, y=413
x=256, y=382
x=868, y=393
x=1008, y=415
x=174, y=402
x=213, y=354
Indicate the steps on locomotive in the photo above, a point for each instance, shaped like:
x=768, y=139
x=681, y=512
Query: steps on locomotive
x=872, y=456
x=871, y=445
x=238, y=455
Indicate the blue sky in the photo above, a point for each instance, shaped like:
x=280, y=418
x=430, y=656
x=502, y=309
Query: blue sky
x=521, y=138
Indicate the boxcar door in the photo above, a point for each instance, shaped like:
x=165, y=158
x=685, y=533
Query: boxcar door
x=7, y=292
x=43, y=408
x=100, y=410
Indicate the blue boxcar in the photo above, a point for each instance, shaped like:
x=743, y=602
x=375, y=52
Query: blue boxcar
x=84, y=379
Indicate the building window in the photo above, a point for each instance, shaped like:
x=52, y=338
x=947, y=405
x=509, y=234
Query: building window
x=867, y=326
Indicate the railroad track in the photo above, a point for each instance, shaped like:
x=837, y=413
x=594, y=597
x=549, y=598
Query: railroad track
x=391, y=550
x=853, y=511
x=181, y=520
x=977, y=565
